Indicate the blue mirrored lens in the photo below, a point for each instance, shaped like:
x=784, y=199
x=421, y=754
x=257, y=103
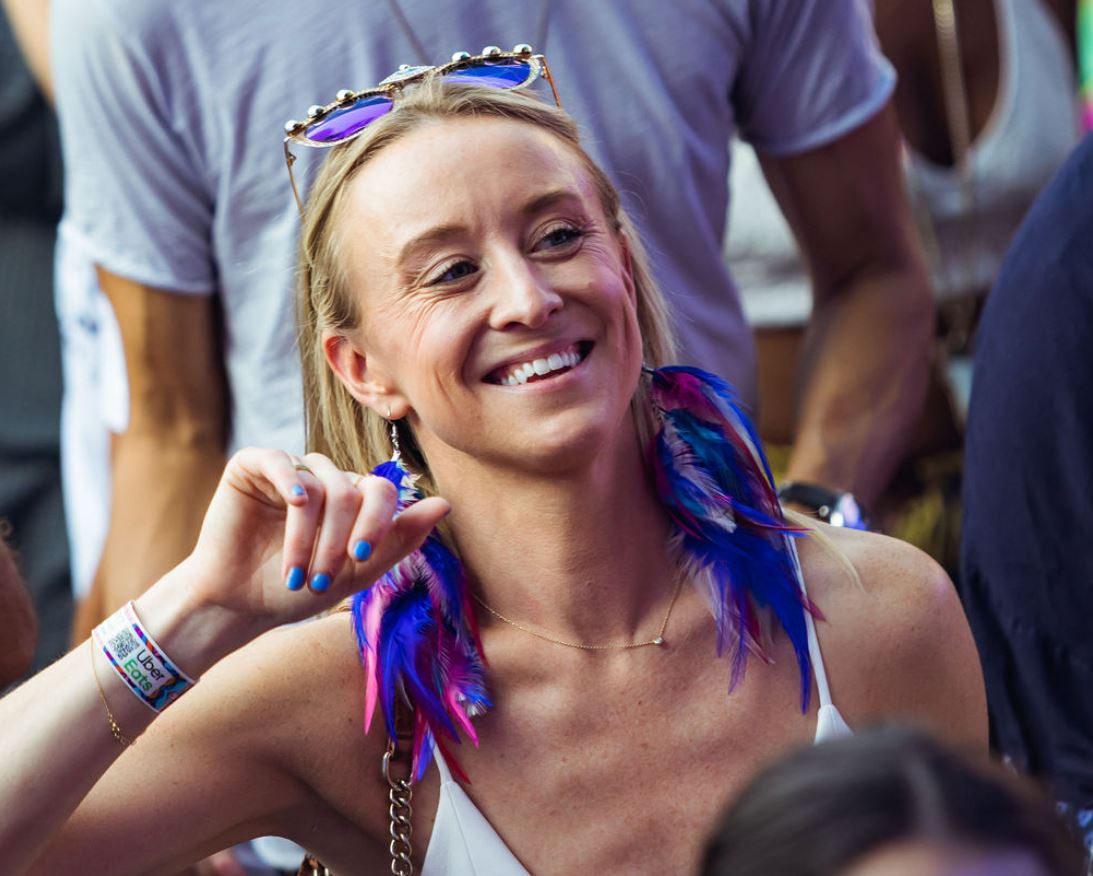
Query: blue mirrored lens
x=498, y=74
x=348, y=120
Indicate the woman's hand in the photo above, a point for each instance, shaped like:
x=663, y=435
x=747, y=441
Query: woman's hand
x=284, y=539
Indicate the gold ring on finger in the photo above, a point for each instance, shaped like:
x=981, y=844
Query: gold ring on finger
x=357, y=481
x=299, y=466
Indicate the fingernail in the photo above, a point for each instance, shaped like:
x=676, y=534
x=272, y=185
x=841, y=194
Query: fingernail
x=362, y=550
x=295, y=579
x=320, y=582
x=299, y=491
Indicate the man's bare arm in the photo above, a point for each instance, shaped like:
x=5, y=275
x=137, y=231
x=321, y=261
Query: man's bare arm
x=29, y=21
x=167, y=462
x=867, y=349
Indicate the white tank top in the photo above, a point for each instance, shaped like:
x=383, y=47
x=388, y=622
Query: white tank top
x=463, y=843
x=1032, y=128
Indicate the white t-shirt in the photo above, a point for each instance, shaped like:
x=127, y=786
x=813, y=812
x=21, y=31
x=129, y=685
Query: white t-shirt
x=172, y=117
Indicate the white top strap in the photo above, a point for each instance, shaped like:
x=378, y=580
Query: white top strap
x=814, y=653
x=442, y=766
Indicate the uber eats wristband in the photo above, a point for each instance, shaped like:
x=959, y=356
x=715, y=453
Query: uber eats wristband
x=835, y=507
x=149, y=673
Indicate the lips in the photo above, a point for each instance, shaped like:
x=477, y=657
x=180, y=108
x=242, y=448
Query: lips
x=540, y=367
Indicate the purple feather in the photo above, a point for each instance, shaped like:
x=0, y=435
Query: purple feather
x=710, y=472
x=418, y=641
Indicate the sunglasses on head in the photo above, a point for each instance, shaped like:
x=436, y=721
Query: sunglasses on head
x=353, y=111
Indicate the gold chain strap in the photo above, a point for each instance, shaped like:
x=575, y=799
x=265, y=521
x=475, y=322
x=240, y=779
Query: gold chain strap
x=312, y=866
x=958, y=314
x=400, y=811
x=954, y=89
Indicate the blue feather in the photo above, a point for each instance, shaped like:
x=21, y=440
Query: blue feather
x=407, y=622
x=716, y=484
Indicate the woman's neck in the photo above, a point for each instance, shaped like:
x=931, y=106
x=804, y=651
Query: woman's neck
x=580, y=556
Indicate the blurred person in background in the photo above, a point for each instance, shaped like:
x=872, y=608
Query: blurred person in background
x=889, y=801
x=17, y=619
x=1027, y=547
x=986, y=103
x=30, y=368
x=184, y=209
x=94, y=402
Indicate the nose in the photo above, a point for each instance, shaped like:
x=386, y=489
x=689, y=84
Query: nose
x=522, y=296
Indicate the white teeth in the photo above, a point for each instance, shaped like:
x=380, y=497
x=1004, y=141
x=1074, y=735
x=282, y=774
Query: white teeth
x=540, y=367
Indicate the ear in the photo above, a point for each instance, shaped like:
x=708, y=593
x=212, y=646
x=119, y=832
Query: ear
x=359, y=374
x=627, y=265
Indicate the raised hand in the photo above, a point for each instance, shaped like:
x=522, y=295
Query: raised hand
x=284, y=538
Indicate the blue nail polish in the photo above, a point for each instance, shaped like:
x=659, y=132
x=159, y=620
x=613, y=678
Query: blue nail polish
x=362, y=550
x=299, y=491
x=320, y=582
x=295, y=579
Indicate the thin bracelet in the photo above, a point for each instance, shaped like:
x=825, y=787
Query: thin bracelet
x=115, y=729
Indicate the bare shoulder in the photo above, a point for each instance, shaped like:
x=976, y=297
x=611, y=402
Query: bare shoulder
x=286, y=692
x=301, y=689
x=297, y=665
x=895, y=642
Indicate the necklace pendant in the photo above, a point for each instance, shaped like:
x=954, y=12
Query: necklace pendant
x=659, y=640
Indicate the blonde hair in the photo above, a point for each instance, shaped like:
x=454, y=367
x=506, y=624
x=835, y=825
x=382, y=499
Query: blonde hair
x=339, y=426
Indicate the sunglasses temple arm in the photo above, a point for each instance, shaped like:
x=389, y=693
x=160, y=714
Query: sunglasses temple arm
x=550, y=81
x=290, y=160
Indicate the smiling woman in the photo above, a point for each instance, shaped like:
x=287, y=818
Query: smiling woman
x=478, y=323
x=435, y=264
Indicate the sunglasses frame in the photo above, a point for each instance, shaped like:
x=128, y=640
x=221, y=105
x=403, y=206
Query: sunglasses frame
x=392, y=87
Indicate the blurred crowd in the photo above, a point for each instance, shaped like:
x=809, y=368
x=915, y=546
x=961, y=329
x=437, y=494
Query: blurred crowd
x=894, y=268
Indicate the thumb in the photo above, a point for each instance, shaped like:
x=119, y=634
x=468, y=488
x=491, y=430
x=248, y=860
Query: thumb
x=413, y=525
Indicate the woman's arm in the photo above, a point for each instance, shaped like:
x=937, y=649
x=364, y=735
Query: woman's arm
x=239, y=756
x=195, y=779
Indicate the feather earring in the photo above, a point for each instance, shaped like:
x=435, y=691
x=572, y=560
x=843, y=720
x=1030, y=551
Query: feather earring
x=418, y=639
x=416, y=630
x=710, y=472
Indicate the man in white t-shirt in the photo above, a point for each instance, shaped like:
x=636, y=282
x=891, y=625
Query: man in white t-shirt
x=171, y=119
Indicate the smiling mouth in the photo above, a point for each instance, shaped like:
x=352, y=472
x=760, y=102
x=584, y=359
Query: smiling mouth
x=545, y=368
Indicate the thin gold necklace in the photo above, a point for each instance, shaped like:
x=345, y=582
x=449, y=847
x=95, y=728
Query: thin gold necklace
x=659, y=640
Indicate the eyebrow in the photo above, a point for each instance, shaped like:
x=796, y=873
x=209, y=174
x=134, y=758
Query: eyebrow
x=442, y=233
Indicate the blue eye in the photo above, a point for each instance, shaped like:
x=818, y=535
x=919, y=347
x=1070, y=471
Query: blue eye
x=454, y=272
x=560, y=236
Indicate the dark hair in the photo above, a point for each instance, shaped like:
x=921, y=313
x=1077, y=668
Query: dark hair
x=822, y=808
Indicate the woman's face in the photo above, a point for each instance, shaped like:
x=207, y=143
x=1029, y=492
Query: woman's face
x=496, y=300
